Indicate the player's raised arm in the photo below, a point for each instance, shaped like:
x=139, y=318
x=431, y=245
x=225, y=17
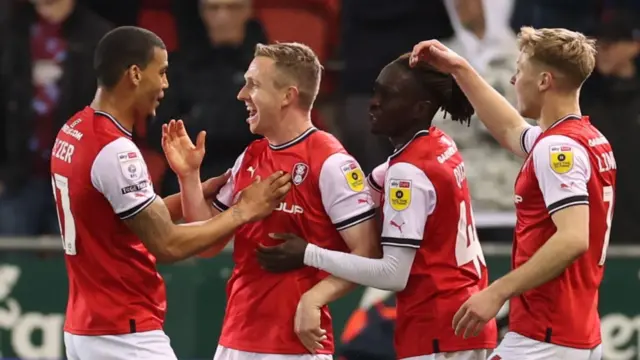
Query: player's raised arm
x=185, y=159
x=120, y=174
x=501, y=119
x=210, y=189
x=563, y=169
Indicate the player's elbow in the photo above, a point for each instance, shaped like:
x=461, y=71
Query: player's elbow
x=576, y=243
x=170, y=251
x=396, y=285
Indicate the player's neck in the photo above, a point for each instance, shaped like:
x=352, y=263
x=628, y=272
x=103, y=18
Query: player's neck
x=401, y=140
x=557, y=107
x=119, y=107
x=290, y=128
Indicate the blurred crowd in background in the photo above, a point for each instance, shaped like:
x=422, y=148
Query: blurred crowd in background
x=46, y=75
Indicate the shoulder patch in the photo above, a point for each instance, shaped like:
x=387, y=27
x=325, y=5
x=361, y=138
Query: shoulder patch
x=130, y=164
x=354, y=175
x=399, y=194
x=561, y=158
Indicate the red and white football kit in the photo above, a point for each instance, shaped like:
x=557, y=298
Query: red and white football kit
x=569, y=164
x=99, y=178
x=432, y=256
x=427, y=206
x=329, y=194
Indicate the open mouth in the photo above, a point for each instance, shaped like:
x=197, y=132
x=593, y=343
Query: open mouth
x=252, y=113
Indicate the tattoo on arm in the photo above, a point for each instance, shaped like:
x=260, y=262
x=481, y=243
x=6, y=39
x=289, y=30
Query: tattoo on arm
x=152, y=225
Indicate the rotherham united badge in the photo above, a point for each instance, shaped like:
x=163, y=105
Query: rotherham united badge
x=299, y=173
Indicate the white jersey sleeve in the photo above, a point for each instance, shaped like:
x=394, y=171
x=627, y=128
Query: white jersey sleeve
x=563, y=169
x=529, y=137
x=375, y=180
x=345, y=194
x=224, y=199
x=410, y=198
x=120, y=174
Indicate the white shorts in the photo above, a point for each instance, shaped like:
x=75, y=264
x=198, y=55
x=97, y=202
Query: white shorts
x=517, y=347
x=151, y=345
x=223, y=353
x=458, y=355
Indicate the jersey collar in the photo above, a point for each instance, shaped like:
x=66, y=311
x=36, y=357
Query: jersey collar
x=295, y=141
x=567, y=117
x=114, y=121
x=420, y=133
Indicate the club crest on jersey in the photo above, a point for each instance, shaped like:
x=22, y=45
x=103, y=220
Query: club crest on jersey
x=399, y=194
x=561, y=158
x=299, y=173
x=354, y=175
x=130, y=165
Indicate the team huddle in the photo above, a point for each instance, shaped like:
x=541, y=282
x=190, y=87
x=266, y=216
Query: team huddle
x=308, y=225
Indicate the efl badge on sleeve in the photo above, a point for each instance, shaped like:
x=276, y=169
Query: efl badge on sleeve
x=399, y=194
x=131, y=165
x=561, y=158
x=299, y=173
x=354, y=175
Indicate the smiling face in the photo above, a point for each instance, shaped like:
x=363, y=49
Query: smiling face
x=150, y=83
x=393, y=104
x=263, y=99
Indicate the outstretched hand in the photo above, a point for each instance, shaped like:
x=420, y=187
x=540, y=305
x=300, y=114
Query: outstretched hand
x=284, y=257
x=183, y=156
x=259, y=199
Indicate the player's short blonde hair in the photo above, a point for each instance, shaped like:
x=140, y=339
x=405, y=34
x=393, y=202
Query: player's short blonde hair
x=297, y=65
x=569, y=52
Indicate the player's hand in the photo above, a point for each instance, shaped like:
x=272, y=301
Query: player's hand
x=437, y=55
x=284, y=257
x=307, y=325
x=479, y=309
x=212, y=186
x=259, y=199
x=184, y=158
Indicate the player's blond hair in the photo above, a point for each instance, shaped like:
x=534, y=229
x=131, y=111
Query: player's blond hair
x=569, y=52
x=297, y=65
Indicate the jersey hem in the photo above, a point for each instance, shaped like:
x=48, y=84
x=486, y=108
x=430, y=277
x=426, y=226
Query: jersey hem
x=102, y=332
x=136, y=209
x=523, y=136
x=400, y=242
x=274, y=351
x=373, y=184
x=568, y=202
x=219, y=205
x=355, y=220
x=571, y=344
x=488, y=345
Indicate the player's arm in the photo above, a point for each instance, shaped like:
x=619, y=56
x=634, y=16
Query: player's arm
x=501, y=119
x=210, y=189
x=348, y=202
x=120, y=174
x=562, y=167
x=402, y=233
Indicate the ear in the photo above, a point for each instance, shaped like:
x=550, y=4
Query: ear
x=545, y=81
x=135, y=74
x=290, y=95
x=422, y=109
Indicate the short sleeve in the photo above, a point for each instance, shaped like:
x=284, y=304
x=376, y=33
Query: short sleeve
x=345, y=194
x=120, y=173
x=563, y=169
x=375, y=180
x=410, y=198
x=224, y=199
x=529, y=137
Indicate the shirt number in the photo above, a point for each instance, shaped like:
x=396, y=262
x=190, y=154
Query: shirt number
x=468, y=249
x=607, y=198
x=61, y=195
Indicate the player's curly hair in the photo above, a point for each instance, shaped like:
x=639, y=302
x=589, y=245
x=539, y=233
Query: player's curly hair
x=441, y=87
